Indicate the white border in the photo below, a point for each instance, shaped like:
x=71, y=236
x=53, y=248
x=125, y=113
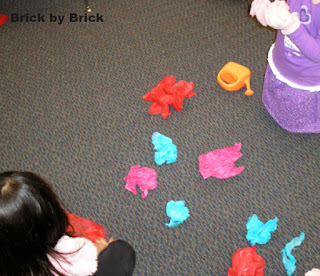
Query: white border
x=283, y=79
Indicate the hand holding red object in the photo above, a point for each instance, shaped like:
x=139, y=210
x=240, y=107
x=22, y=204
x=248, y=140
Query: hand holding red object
x=167, y=93
x=85, y=228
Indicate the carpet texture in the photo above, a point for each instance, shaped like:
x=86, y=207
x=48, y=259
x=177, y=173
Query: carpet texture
x=71, y=110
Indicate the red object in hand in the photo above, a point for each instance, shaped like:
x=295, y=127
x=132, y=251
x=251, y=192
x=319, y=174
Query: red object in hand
x=3, y=19
x=167, y=93
x=246, y=262
x=85, y=228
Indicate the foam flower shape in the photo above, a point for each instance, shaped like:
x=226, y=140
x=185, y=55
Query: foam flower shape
x=288, y=259
x=313, y=272
x=145, y=178
x=167, y=93
x=245, y=261
x=177, y=212
x=259, y=232
x=166, y=150
x=220, y=163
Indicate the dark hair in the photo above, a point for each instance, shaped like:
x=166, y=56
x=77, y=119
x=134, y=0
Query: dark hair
x=32, y=220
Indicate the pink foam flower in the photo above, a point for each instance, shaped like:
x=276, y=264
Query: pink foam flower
x=145, y=178
x=220, y=163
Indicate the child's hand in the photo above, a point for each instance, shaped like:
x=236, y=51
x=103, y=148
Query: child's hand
x=278, y=16
x=102, y=243
x=258, y=8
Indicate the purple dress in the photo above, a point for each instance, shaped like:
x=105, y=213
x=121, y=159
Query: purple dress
x=291, y=91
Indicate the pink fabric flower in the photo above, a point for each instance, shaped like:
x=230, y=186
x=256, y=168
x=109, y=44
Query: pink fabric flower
x=145, y=178
x=220, y=163
x=278, y=16
x=313, y=272
x=258, y=9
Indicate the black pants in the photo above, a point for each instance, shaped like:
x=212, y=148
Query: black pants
x=118, y=259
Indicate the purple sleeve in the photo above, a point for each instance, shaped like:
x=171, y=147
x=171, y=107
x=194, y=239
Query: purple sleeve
x=309, y=46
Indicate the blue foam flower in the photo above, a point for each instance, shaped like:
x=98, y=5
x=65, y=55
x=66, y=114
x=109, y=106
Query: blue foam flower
x=289, y=261
x=258, y=232
x=177, y=212
x=166, y=151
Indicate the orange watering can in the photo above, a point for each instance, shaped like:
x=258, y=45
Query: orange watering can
x=234, y=76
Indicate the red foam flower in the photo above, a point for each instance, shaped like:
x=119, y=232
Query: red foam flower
x=167, y=93
x=246, y=262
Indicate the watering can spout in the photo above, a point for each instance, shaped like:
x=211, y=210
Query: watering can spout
x=249, y=92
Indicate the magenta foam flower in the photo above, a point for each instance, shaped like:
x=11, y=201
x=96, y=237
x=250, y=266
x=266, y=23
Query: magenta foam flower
x=220, y=163
x=145, y=178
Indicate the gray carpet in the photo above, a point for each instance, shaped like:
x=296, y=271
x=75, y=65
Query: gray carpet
x=71, y=110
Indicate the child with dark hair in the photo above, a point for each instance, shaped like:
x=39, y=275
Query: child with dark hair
x=34, y=239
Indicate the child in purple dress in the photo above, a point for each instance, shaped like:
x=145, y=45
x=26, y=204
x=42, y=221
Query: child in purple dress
x=291, y=91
